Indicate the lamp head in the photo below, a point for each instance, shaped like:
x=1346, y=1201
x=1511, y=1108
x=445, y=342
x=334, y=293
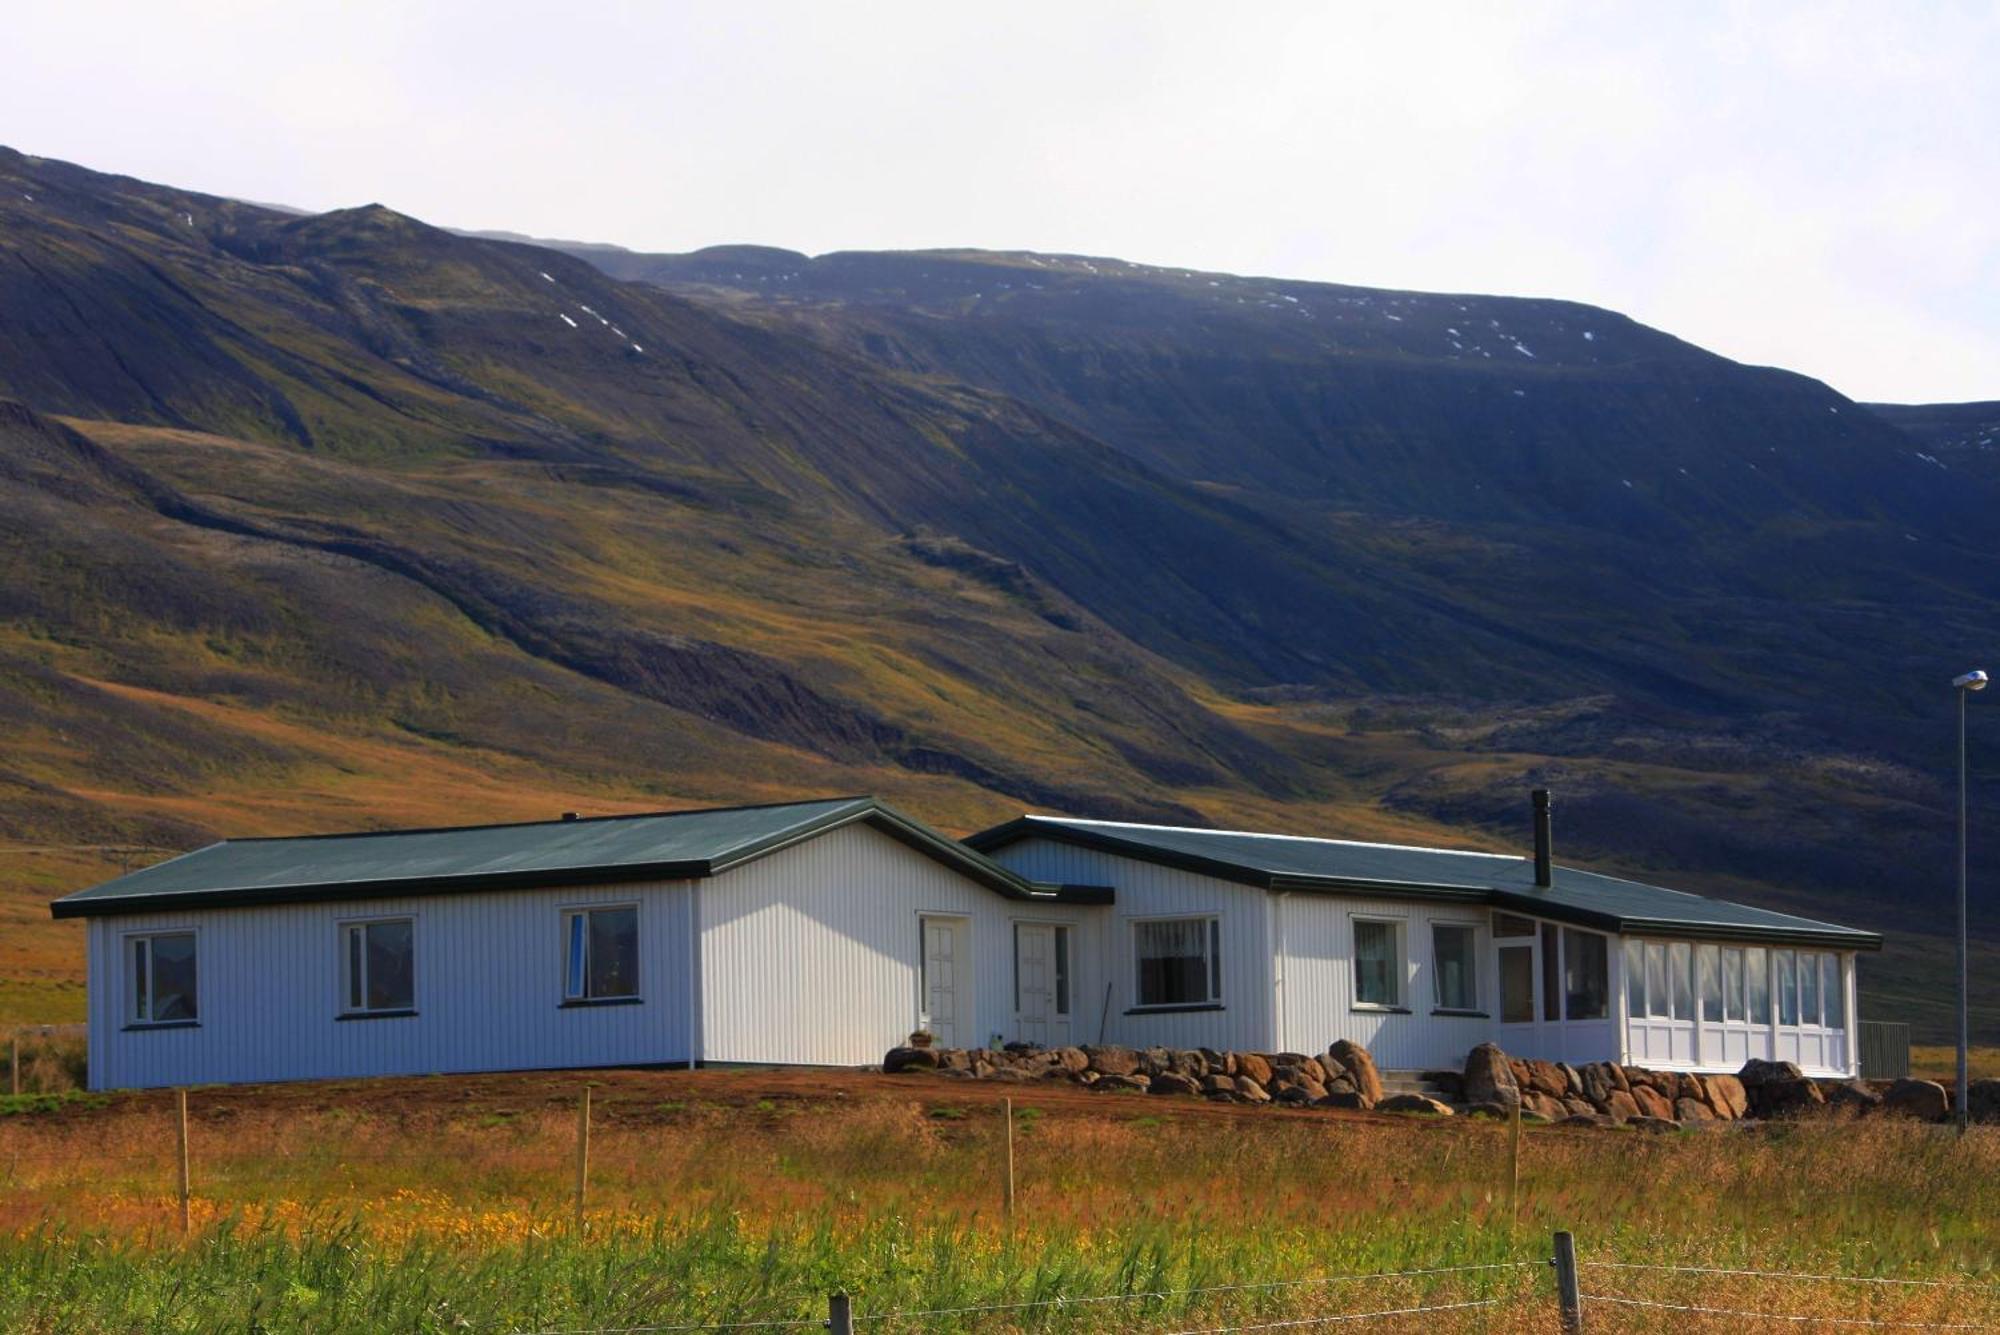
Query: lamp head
x=1974, y=680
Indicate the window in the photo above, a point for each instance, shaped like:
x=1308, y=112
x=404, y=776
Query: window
x=1808, y=988
x=1835, y=991
x=1180, y=961
x=1680, y=958
x=1757, y=985
x=163, y=978
x=378, y=960
x=1659, y=1002
x=1454, y=948
x=1378, y=963
x=601, y=953
x=1732, y=985
x=1635, y=978
x=1708, y=965
x=1586, y=975
x=1786, y=986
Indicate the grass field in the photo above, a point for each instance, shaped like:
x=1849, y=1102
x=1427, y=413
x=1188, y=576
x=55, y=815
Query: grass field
x=445, y=1204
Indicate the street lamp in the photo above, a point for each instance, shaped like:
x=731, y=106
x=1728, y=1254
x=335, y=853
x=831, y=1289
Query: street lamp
x=1965, y=685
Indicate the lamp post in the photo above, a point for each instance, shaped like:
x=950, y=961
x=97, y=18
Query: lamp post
x=1966, y=685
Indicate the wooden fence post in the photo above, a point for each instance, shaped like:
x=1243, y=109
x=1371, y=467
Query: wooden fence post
x=181, y=1117
x=582, y=1153
x=1568, y=1295
x=839, y=1314
x=14, y=1064
x=1009, y=1105
x=1514, y=1162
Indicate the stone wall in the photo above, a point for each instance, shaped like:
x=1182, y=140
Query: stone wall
x=1345, y=1076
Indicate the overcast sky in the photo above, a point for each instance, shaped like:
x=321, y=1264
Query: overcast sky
x=1814, y=186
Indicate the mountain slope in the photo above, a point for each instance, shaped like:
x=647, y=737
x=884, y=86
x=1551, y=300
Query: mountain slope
x=330, y=520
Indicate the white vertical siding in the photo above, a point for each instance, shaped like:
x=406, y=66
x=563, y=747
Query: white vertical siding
x=1246, y=1018
x=811, y=955
x=1318, y=982
x=489, y=988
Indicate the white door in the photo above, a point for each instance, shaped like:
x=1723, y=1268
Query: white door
x=942, y=970
x=1041, y=983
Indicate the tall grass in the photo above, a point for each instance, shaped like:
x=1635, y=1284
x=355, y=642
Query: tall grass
x=702, y=1212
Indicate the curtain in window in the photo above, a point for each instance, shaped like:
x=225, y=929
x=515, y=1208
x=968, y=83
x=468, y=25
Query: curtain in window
x=1375, y=964
x=1174, y=962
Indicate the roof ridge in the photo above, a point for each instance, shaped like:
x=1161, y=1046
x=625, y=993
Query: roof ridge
x=1265, y=834
x=530, y=824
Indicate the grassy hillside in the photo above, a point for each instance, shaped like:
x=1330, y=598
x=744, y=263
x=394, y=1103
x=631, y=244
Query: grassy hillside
x=344, y=521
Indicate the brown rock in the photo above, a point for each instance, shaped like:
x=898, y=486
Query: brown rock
x=909, y=1059
x=1073, y=1060
x=1252, y=1065
x=1652, y=1103
x=1620, y=1104
x=1524, y=1079
x=1314, y=1071
x=1543, y=1105
x=1341, y=1084
x=1294, y=1095
x=1134, y=1081
x=1156, y=1061
x=1088, y=1078
x=1489, y=1076
x=1757, y=1072
x=1173, y=1082
x=1113, y=1060
x=1982, y=1100
x=1289, y=1059
x=1547, y=1078
x=1779, y=1097
x=1853, y=1095
x=1250, y=1091
x=1013, y=1075
x=1578, y=1105
x=1726, y=1095
x=1414, y=1103
x=1333, y=1066
x=1572, y=1079
x=1922, y=1099
x=1360, y=1068
x=1218, y=1084
x=1597, y=1084
x=954, y=1059
x=1343, y=1098
x=1191, y=1063
x=1692, y=1110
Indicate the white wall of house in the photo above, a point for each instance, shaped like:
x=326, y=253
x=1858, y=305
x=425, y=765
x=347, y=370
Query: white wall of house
x=489, y=991
x=1244, y=1017
x=813, y=954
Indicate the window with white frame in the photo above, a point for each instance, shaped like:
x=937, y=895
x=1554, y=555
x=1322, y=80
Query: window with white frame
x=601, y=953
x=1179, y=961
x=1833, y=988
x=1378, y=962
x=162, y=978
x=1659, y=979
x=378, y=962
x=1732, y=985
x=1708, y=969
x=1786, y=985
x=1757, y=984
x=1454, y=967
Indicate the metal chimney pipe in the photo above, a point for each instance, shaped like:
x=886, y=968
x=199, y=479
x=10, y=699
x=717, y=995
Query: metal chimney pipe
x=1544, y=839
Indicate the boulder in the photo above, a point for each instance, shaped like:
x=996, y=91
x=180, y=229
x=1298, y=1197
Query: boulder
x=1544, y=1106
x=1332, y=1065
x=1315, y=1070
x=1344, y=1098
x=1254, y=1066
x=1341, y=1084
x=1013, y=1075
x=1855, y=1095
x=909, y=1059
x=1088, y=1078
x=1113, y=1060
x=1572, y=1079
x=1489, y=1077
x=1652, y=1103
x=1449, y=1083
x=1250, y=1091
x=1173, y=1082
x=1597, y=1082
x=1218, y=1084
x=1547, y=1078
x=1922, y=1099
x=1294, y=1095
x=1757, y=1072
x=1289, y=1059
x=1727, y=1096
x=954, y=1059
x=1155, y=1061
x=1779, y=1096
x=1588, y=1119
x=1191, y=1063
x=1073, y=1060
x=1620, y=1104
x=1360, y=1069
x=1134, y=1081
x=1414, y=1103
x=1982, y=1100
x=1692, y=1110
x=1579, y=1106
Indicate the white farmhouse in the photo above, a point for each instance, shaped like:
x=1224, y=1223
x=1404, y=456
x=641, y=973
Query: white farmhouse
x=826, y=932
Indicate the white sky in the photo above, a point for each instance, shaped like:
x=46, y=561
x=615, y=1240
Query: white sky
x=1812, y=185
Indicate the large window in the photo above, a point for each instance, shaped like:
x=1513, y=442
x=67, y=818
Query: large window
x=1757, y=984
x=1708, y=982
x=1180, y=961
x=163, y=978
x=1378, y=962
x=1635, y=978
x=378, y=962
x=1787, y=986
x=601, y=953
x=1834, y=992
x=1586, y=975
x=1659, y=998
x=1732, y=985
x=1454, y=950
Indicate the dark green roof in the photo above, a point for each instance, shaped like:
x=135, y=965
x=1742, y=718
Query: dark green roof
x=675, y=845
x=1288, y=862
